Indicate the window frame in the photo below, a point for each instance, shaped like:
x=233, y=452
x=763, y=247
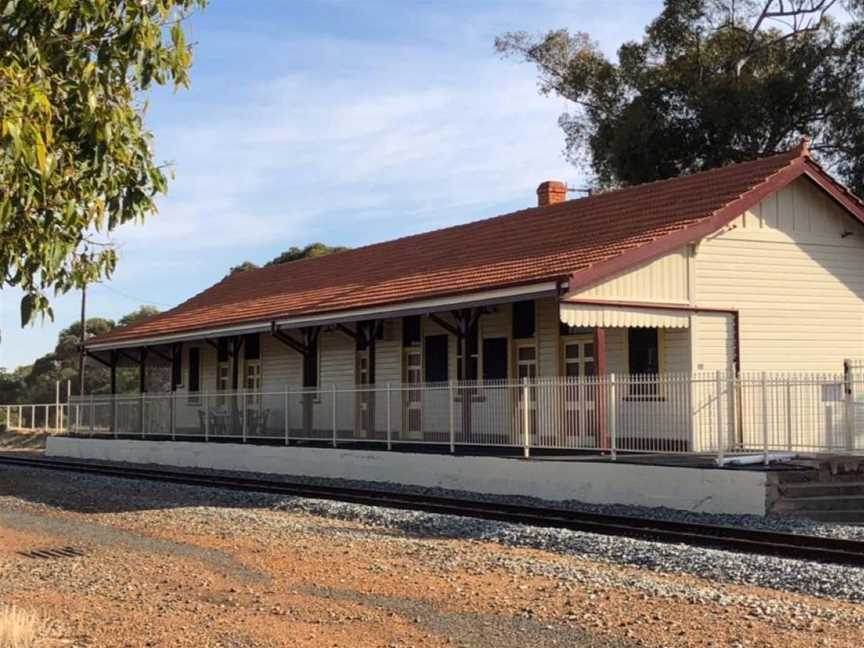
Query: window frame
x=253, y=394
x=658, y=391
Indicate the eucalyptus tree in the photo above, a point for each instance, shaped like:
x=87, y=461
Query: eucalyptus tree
x=711, y=82
x=76, y=159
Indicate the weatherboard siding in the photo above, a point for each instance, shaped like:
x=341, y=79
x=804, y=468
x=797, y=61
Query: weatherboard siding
x=663, y=280
x=794, y=268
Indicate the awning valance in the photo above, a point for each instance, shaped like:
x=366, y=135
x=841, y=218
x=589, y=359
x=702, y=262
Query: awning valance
x=591, y=315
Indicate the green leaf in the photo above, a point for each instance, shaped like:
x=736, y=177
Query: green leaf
x=75, y=156
x=28, y=303
x=41, y=154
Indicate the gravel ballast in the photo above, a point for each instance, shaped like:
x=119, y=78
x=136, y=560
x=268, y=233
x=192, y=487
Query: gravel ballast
x=96, y=492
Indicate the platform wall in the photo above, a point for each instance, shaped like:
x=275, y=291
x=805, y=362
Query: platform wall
x=692, y=489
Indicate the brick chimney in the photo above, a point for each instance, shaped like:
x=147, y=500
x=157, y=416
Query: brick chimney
x=551, y=192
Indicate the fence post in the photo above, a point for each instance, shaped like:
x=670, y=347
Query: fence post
x=848, y=405
x=765, y=417
x=56, y=406
x=32, y=417
x=114, y=418
x=242, y=414
x=333, y=407
x=8, y=417
x=92, y=416
x=789, y=413
x=287, y=421
x=389, y=422
x=526, y=419
x=206, y=405
x=450, y=414
x=611, y=417
x=721, y=442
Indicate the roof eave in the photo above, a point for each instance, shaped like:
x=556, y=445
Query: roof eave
x=501, y=294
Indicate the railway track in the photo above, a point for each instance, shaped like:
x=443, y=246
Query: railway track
x=728, y=538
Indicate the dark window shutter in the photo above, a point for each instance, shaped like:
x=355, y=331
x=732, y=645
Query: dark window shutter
x=436, y=358
x=222, y=350
x=252, y=346
x=495, y=359
x=194, y=370
x=523, y=319
x=411, y=330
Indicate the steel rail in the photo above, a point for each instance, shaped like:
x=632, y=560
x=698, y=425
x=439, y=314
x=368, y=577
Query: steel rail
x=728, y=538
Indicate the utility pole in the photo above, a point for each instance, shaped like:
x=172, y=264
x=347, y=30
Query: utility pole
x=83, y=339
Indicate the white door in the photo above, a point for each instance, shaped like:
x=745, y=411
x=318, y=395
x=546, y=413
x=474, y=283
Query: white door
x=526, y=368
x=413, y=396
x=580, y=413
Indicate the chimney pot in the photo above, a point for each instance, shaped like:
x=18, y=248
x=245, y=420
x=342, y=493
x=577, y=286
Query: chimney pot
x=551, y=192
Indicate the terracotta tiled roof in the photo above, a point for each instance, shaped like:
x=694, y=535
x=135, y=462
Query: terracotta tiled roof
x=568, y=239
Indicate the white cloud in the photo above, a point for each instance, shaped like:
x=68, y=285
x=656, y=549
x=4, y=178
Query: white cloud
x=348, y=141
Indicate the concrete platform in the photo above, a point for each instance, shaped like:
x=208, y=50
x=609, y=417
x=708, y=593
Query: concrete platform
x=699, y=488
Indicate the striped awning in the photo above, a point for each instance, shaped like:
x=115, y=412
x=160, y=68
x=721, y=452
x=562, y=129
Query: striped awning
x=591, y=315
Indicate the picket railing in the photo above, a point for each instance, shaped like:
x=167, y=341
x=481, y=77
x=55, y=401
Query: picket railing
x=670, y=413
x=51, y=417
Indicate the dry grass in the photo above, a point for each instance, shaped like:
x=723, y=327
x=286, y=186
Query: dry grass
x=18, y=628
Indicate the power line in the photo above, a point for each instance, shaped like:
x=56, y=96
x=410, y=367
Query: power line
x=133, y=297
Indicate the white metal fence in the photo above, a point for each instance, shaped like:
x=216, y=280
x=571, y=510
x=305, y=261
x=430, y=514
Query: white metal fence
x=671, y=413
x=52, y=417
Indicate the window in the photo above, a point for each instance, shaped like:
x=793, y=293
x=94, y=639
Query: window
x=223, y=376
x=526, y=362
x=194, y=374
x=495, y=358
x=644, y=360
x=472, y=346
x=222, y=350
x=644, y=352
x=252, y=346
x=524, y=323
x=411, y=331
x=252, y=382
x=436, y=349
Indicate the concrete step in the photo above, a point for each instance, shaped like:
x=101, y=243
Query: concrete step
x=821, y=489
x=831, y=502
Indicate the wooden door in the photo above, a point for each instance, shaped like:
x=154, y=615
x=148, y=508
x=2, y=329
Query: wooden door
x=580, y=367
x=413, y=396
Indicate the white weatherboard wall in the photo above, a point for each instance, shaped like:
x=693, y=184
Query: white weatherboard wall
x=794, y=268
x=691, y=489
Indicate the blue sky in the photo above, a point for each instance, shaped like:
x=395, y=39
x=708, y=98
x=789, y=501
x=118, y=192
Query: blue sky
x=342, y=121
